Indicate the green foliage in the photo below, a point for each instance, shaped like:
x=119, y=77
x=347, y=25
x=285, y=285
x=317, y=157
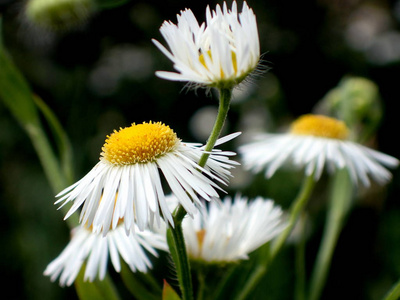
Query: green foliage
x=169, y=293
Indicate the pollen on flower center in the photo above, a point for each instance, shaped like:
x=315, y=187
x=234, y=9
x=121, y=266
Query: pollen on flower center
x=321, y=126
x=234, y=61
x=139, y=143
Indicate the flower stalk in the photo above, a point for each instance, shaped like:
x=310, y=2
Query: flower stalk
x=339, y=206
x=175, y=236
x=295, y=211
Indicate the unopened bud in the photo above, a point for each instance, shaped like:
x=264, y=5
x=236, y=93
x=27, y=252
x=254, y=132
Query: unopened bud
x=357, y=102
x=58, y=15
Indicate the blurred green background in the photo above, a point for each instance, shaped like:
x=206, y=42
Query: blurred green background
x=99, y=76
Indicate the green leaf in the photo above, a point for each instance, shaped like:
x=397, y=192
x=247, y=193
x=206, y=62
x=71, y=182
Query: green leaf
x=15, y=92
x=97, y=290
x=136, y=286
x=60, y=136
x=17, y=97
x=169, y=293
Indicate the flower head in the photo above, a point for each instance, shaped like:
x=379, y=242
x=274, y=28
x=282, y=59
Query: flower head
x=229, y=230
x=126, y=183
x=59, y=14
x=316, y=142
x=219, y=53
x=94, y=250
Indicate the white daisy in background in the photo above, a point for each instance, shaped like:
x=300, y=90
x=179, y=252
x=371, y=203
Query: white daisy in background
x=94, y=250
x=126, y=183
x=219, y=53
x=229, y=230
x=316, y=142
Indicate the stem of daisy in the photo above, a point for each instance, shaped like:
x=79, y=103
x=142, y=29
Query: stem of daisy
x=176, y=244
x=295, y=211
x=224, y=103
x=176, y=241
x=340, y=201
x=300, y=262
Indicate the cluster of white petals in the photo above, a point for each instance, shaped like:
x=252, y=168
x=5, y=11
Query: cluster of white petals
x=220, y=52
x=95, y=250
x=269, y=152
x=134, y=192
x=229, y=230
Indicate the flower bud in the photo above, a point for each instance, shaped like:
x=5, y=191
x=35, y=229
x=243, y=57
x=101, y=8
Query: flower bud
x=58, y=15
x=357, y=102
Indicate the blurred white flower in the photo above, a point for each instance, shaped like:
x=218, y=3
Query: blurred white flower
x=219, y=53
x=94, y=250
x=316, y=142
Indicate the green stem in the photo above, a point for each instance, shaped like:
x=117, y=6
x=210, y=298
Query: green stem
x=394, y=292
x=255, y=277
x=176, y=239
x=296, y=209
x=340, y=201
x=228, y=274
x=176, y=243
x=224, y=103
x=300, y=262
x=202, y=285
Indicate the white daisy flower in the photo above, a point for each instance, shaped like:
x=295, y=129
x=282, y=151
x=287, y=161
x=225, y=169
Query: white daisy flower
x=218, y=53
x=228, y=231
x=94, y=250
x=316, y=142
x=126, y=183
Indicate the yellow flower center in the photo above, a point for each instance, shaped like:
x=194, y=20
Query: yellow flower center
x=321, y=126
x=234, y=61
x=140, y=143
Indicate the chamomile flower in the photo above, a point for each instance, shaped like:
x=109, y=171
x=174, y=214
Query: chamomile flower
x=127, y=181
x=220, y=53
x=316, y=142
x=229, y=230
x=94, y=250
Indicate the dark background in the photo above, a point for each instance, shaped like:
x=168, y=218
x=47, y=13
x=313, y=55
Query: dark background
x=99, y=76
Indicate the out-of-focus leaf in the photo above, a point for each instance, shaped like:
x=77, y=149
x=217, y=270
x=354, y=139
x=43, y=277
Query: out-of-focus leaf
x=169, y=293
x=60, y=137
x=97, y=290
x=136, y=286
x=17, y=97
x=15, y=92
